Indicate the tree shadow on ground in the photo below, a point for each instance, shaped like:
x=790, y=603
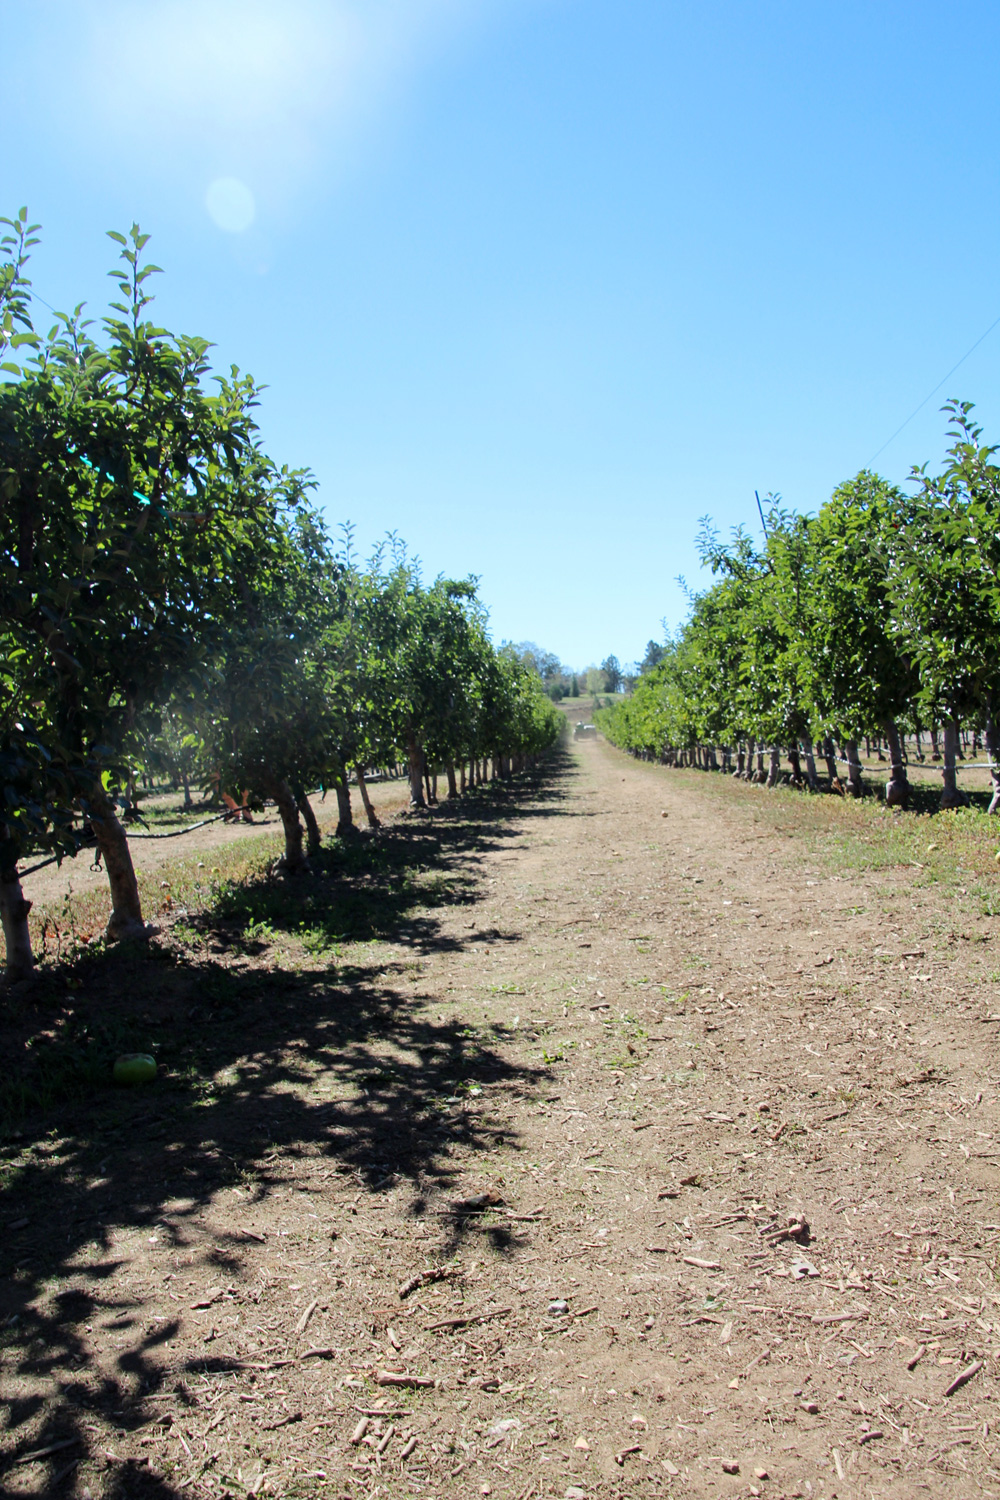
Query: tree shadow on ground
x=263, y=1062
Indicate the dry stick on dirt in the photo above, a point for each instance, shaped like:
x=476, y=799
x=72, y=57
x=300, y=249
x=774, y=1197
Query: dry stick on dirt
x=963, y=1377
x=467, y=1322
x=307, y=1314
x=425, y=1278
x=38, y=1453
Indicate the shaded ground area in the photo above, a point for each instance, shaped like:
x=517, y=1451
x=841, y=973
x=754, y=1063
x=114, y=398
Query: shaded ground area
x=546, y=1145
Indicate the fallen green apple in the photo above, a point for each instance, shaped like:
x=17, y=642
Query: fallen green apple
x=135, y=1067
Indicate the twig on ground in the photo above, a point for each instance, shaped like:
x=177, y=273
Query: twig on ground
x=466, y=1322
x=963, y=1377
x=300, y=1326
x=424, y=1278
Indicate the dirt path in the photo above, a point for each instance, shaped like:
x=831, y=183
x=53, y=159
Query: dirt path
x=592, y=1079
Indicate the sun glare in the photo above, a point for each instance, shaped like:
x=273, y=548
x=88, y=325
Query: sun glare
x=230, y=204
x=244, y=91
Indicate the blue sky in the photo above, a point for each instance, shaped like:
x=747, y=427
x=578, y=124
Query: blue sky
x=538, y=283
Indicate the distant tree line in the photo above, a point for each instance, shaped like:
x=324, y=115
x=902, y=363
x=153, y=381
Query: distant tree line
x=563, y=682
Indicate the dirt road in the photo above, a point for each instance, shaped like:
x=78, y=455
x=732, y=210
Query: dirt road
x=691, y=1128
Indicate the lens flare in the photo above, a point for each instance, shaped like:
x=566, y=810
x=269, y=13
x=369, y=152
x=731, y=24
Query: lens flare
x=230, y=204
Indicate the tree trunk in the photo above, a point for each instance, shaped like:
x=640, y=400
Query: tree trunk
x=373, y=821
x=796, y=765
x=935, y=747
x=314, y=839
x=897, y=787
x=741, y=761
x=126, y=909
x=917, y=734
x=950, y=794
x=775, y=768
x=748, y=772
x=992, y=733
x=345, y=814
x=427, y=786
x=187, y=791
x=129, y=806
x=831, y=760
x=449, y=767
x=293, y=860
x=461, y=775
x=416, y=768
x=811, y=777
x=852, y=754
x=14, y=911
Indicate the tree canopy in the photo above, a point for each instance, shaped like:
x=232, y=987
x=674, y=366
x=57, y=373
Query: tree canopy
x=876, y=615
x=167, y=589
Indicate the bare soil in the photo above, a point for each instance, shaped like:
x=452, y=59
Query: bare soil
x=608, y=1134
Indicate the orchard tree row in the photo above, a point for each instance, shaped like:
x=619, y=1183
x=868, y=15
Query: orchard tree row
x=878, y=617
x=168, y=592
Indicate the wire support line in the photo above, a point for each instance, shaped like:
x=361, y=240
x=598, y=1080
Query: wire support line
x=979, y=765
x=177, y=832
x=23, y=874
x=934, y=392
x=857, y=765
x=174, y=834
